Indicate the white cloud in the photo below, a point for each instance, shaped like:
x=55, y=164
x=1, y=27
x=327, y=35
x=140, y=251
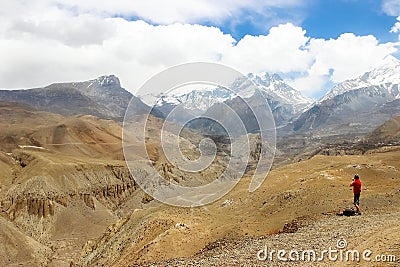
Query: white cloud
x=391, y=7
x=347, y=56
x=336, y=60
x=172, y=11
x=321, y=62
x=74, y=31
x=282, y=50
x=153, y=11
x=310, y=85
x=46, y=44
x=396, y=26
x=132, y=50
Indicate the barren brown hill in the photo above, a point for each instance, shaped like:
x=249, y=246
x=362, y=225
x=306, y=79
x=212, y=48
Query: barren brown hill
x=62, y=181
x=17, y=245
x=388, y=132
x=27, y=128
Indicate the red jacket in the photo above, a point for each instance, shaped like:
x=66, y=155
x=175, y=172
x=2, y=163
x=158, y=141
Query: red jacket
x=356, y=184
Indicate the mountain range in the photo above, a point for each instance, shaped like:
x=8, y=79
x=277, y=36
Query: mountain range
x=386, y=73
x=285, y=102
x=353, y=106
x=356, y=105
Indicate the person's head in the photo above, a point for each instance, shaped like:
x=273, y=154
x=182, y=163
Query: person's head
x=356, y=177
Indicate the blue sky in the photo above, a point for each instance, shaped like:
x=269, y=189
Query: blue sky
x=321, y=19
x=330, y=18
x=313, y=44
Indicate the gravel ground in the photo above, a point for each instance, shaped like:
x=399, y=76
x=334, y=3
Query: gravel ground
x=377, y=232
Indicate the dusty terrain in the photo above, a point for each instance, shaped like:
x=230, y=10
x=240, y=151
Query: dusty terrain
x=67, y=197
x=306, y=194
x=63, y=181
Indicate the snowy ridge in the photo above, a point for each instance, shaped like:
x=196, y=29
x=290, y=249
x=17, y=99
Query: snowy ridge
x=203, y=100
x=387, y=72
x=274, y=84
x=194, y=100
x=271, y=85
x=108, y=80
x=103, y=81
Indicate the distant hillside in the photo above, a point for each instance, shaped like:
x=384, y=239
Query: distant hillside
x=102, y=97
x=388, y=132
x=23, y=126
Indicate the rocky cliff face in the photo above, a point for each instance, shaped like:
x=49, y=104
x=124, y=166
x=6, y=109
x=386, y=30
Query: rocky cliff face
x=111, y=186
x=53, y=201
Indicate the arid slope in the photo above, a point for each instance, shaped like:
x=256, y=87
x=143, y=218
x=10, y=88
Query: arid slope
x=292, y=196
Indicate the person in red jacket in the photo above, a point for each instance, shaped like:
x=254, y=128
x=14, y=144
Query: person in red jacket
x=356, y=184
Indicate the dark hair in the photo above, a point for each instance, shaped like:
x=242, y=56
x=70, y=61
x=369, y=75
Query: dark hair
x=356, y=176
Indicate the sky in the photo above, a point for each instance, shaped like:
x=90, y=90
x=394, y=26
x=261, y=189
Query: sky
x=312, y=44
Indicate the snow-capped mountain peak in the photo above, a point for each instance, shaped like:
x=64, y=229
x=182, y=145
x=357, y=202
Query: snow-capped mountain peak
x=286, y=103
x=197, y=99
x=386, y=72
x=108, y=80
x=274, y=84
x=203, y=100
